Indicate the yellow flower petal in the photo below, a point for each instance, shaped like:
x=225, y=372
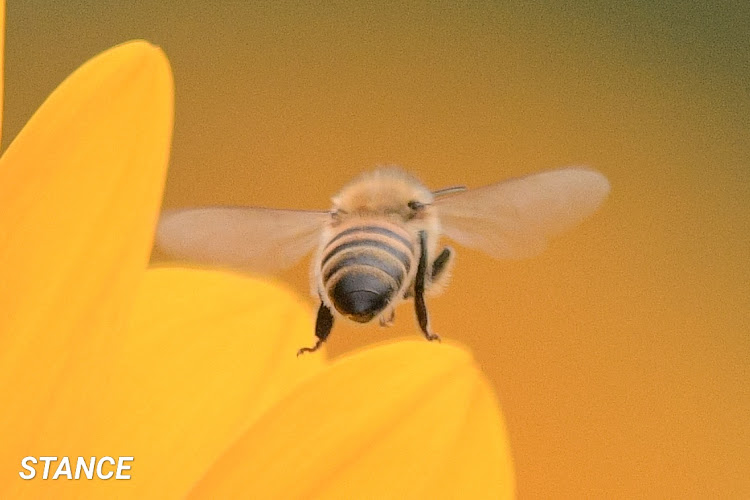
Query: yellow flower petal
x=406, y=420
x=79, y=192
x=205, y=354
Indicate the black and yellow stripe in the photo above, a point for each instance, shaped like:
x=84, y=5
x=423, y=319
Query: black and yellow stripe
x=364, y=265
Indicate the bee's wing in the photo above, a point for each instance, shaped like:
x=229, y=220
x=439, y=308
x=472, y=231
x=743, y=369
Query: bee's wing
x=246, y=238
x=516, y=217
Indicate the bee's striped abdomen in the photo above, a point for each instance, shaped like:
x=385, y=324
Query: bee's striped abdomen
x=364, y=265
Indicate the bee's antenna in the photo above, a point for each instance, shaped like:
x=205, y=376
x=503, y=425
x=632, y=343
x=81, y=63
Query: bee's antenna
x=449, y=190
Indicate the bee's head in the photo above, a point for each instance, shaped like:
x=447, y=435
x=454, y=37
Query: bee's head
x=388, y=191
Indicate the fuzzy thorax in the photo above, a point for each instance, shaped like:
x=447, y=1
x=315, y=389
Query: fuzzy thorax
x=386, y=191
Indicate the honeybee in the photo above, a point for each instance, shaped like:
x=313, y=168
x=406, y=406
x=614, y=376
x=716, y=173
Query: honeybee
x=378, y=244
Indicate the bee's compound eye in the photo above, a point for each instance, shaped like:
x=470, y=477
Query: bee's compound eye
x=415, y=205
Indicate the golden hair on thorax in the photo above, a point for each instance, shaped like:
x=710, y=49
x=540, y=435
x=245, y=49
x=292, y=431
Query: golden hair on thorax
x=387, y=190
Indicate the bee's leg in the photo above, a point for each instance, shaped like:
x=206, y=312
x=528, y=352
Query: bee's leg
x=323, y=326
x=387, y=320
x=419, y=284
x=441, y=263
x=440, y=273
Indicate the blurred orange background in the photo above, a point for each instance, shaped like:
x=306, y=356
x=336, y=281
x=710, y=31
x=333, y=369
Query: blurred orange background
x=621, y=355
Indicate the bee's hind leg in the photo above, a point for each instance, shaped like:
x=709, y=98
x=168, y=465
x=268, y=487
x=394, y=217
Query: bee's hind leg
x=323, y=326
x=419, y=285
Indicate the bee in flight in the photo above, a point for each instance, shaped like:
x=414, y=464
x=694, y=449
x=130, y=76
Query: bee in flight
x=378, y=245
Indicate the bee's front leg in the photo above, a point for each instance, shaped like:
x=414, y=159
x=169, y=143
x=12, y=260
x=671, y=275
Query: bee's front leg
x=419, y=284
x=323, y=326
